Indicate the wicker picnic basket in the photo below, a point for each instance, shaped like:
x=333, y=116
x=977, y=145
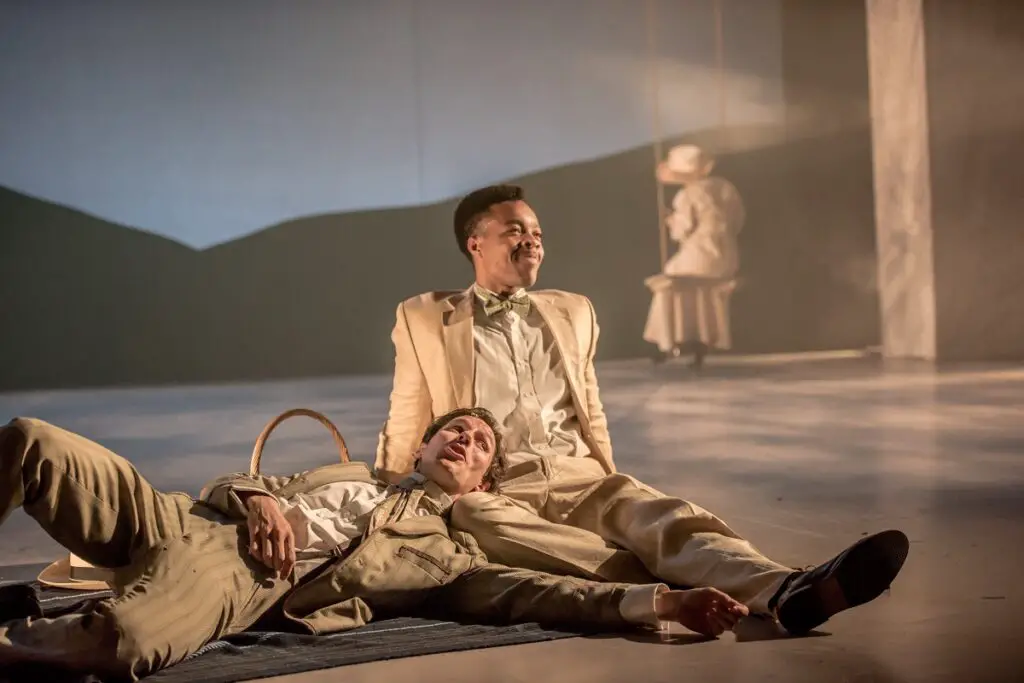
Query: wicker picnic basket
x=73, y=573
x=257, y=451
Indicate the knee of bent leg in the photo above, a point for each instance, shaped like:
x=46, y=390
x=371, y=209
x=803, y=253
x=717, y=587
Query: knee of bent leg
x=29, y=427
x=634, y=483
x=19, y=435
x=16, y=434
x=134, y=649
x=30, y=449
x=94, y=640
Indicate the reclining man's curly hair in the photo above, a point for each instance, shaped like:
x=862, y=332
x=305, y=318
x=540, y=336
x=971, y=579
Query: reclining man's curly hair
x=499, y=463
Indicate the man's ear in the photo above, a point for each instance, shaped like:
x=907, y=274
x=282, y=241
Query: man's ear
x=473, y=244
x=417, y=457
x=483, y=486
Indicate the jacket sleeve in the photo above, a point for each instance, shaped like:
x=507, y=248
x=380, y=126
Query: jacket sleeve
x=223, y=492
x=409, y=409
x=495, y=592
x=595, y=409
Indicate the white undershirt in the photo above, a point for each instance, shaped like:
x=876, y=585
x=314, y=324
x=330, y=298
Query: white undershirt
x=331, y=516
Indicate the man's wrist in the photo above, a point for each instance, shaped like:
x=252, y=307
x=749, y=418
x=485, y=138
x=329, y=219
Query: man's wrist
x=245, y=497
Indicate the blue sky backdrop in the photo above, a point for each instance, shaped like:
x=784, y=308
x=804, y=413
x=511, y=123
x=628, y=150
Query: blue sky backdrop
x=205, y=121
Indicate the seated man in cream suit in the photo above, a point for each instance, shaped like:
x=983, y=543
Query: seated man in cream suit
x=330, y=549
x=529, y=359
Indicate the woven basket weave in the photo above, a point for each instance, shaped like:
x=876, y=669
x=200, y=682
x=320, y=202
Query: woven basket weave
x=257, y=451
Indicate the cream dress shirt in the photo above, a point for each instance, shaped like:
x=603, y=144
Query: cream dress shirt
x=520, y=377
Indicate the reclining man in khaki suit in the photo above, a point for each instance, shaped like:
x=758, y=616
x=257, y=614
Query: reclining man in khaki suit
x=529, y=359
x=329, y=549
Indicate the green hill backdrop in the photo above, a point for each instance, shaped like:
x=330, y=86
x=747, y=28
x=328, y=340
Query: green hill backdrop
x=90, y=303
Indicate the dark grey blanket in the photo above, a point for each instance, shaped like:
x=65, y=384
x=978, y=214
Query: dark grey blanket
x=264, y=654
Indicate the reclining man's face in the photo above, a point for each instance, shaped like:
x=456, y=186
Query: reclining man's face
x=458, y=456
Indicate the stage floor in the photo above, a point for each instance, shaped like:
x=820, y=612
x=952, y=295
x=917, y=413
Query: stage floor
x=800, y=457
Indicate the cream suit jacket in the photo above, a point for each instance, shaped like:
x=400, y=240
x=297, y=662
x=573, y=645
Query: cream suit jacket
x=434, y=370
x=409, y=557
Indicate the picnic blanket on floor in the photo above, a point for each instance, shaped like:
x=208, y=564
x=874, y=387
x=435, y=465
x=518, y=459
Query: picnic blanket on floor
x=255, y=655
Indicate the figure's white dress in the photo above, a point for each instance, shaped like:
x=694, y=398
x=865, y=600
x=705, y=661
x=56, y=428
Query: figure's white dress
x=706, y=218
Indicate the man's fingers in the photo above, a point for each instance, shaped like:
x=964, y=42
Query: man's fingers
x=739, y=609
x=732, y=610
x=280, y=548
x=723, y=615
x=270, y=537
x=261, y=550
x=289, y=563
x=287, y=567
x=289, y=554
x=271, y=540
x=255, y=546
x=282, y=542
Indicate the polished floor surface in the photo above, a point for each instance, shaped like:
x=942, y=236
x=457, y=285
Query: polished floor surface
x=800, y=457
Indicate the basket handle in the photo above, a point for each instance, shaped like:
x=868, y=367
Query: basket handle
x=257, y=451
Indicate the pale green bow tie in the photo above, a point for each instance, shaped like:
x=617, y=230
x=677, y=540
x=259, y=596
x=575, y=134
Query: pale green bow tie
x=519, y=303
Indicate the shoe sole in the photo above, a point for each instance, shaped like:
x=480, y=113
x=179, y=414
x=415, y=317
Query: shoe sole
x=866, y=572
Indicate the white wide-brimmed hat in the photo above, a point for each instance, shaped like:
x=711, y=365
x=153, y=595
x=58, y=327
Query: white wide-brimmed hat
x=687, y=161
x=74, y=573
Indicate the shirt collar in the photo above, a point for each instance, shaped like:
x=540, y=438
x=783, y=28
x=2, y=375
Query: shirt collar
x=435, y=493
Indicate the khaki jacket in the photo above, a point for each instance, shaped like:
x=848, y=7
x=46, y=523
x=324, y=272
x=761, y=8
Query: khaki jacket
x=434, y=370
x=409, y=555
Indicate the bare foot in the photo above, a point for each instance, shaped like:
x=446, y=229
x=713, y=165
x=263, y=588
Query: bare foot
x=707, y=611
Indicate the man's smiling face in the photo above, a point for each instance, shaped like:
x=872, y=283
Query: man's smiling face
x=507, y=247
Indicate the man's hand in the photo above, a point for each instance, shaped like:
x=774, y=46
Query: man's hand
x=271, y=540
x=707, y=611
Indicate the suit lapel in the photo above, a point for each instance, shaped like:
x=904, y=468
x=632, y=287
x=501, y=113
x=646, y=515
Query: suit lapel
x=559, y=321
x=457, y=330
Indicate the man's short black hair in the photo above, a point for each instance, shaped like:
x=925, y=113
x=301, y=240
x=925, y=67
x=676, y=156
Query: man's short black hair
x=499, y=462
x=475, y=204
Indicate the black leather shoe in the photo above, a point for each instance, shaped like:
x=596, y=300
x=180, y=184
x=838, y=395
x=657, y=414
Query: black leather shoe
x=19, y=601
x=855, y=576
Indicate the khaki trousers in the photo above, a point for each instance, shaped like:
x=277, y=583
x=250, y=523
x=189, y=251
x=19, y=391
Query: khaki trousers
x=184, y=574
x=565, y=515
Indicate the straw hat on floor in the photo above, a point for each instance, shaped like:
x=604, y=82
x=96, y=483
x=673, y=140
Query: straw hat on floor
x=74, y=573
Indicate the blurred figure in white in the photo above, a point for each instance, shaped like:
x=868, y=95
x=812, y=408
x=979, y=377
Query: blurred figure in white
x=690, y=299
